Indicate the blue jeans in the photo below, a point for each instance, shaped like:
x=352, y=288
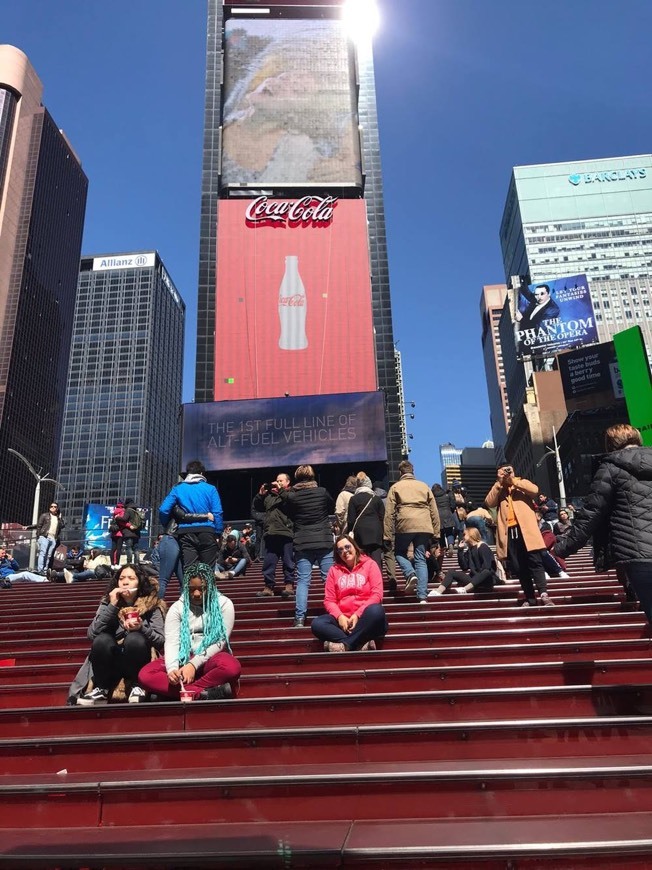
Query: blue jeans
x=372, y=625
x=420, y=540
x=236, y=569
x=305, y=559
x=29, y=576
x=45, y=549
x=170, y=562
x=80, y=576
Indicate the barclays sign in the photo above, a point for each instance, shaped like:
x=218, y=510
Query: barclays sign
x=610, y=175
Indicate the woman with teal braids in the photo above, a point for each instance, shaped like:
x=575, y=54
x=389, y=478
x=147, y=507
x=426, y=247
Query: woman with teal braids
x=197, y=650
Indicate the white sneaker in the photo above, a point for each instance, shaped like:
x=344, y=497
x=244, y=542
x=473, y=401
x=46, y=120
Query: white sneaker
x=137, y=695
x=67, y=573
x=93, y=698
x=564, y=575
x=434, y=594
x=461, y=590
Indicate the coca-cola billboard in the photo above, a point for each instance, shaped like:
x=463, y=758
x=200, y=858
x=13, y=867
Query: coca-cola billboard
x=293, y=299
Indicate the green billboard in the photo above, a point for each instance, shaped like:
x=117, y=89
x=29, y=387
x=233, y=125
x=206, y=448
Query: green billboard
x=636, y=378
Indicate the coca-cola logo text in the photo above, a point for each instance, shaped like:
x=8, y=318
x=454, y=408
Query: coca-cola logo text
x=315, y=210
x=296, y=301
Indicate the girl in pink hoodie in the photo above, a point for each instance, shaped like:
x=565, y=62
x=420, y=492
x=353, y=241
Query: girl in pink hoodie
x=355, y=616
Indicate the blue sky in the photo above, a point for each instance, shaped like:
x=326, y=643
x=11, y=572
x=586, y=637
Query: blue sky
x=466, y=90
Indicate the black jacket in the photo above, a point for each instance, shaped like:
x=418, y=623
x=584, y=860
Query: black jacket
x=366, y=512
x=276, y=520
x=43, y=525
x=476, y=559
x=309, y=509
x=621, y=492
x=445, y=503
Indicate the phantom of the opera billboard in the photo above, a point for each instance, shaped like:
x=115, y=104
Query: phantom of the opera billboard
x=553, y=316
x=293, y=298
x=347, y=427
x=290, y=104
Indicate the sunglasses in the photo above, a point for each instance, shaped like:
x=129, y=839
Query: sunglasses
x=347, y=548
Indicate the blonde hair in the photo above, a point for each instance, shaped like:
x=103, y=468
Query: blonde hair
x=621, y=435
x=474, y=534
x=304, y=472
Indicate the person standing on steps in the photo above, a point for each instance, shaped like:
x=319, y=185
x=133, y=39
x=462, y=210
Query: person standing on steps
x=198, y=540
x=518, y=539
x=619, y=506
x=411, y=518
x=278, y=532
x=48, y=531
x=309, y=506
x=365, y=518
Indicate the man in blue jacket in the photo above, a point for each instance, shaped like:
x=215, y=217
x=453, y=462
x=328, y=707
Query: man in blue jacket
x=8, y=565
x=198, y=541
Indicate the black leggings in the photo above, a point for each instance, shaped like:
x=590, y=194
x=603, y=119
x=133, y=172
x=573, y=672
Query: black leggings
x=481, y=578
x=112, y=661
x=527, y=566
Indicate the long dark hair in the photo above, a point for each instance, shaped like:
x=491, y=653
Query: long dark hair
x=145, y=585
x=338, y=559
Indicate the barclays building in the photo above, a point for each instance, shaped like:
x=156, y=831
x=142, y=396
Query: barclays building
x=592, y=217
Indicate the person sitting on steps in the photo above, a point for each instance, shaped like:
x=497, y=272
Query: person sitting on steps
x=354, y=592
x=477, y=564
x=197, y=652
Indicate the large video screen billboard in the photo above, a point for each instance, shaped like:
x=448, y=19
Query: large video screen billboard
x=294, y=431
x=293, y=299
x=290, y=104
x=555, y=315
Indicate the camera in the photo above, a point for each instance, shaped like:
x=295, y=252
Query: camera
x=507, y=469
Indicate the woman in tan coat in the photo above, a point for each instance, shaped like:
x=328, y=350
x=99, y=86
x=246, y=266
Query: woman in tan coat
x=518, y=538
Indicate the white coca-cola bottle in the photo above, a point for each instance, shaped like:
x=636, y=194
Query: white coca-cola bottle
x=292, y=308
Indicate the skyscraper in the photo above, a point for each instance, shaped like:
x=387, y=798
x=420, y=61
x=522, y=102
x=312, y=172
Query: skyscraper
x=42, y=206
x=492, y=303
x=121, y=434
x=560, y=220
x=292, y=198
x=590, y=217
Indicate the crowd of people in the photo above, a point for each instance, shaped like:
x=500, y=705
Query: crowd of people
x=139, y=648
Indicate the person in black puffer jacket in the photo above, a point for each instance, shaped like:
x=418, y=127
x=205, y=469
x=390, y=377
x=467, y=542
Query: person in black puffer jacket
x=309, y=507
x=445, y=504
x=621, y=495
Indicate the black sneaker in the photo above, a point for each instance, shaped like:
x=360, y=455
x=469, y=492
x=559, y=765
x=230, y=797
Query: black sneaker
x=5, y=584
x=93, y=698
x=299, y=623
x=410, y=583
x=216, y=693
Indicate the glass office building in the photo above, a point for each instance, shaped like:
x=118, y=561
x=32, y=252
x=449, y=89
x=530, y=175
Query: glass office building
x=121, y=433
x=592, y=217
x=42, y=205
x=295, y=28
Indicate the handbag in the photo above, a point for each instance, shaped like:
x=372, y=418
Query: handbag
x=350, y=534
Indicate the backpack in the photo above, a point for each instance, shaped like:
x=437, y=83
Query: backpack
x=137, y=520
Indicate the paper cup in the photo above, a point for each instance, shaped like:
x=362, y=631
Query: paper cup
x=185, y=696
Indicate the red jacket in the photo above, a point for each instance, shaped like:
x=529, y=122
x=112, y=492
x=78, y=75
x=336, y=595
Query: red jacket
x=349, y=592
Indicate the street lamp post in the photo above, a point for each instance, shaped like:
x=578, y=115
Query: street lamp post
x=40, y=478
x=560, y=472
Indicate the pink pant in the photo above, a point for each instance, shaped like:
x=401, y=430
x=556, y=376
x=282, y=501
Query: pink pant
x=219, y=669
